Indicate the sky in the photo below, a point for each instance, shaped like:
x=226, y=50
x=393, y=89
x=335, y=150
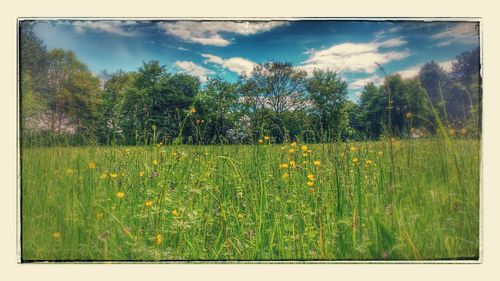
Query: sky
x=230, y=48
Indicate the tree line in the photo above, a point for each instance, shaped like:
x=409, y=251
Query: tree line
x=62, y=100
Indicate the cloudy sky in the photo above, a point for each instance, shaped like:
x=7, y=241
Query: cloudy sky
x=230, y=48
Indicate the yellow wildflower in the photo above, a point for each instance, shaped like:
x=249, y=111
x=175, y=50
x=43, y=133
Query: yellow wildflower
x=291, y=150
x=293, y=163
x=283, y=166
x=317, y=163
x=309, y=151
x=175, y=213
x=158, y=240
x=114, y=175
x=310, y=183
x=120, y=194
x=240, y=216
x=304, y=154
x=92, y=165
x=409, y=115
x=463, y=131
x=311, y=177
x=56, y=235
x=310, y=190
x=261, y=141
x=355, y=160
x=192, y=110
x=103, y=176
x=285, y=176
x=380, y=153
x=267, y=138
x=141, y=174
x=353, y=148
x=155, y=162
x=452, y=132
x=293, y=144
x=304, y=147
x=369, y=162
x=70, y=171
x=148, y=203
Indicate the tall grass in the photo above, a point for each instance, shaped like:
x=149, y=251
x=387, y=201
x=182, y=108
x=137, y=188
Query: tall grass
x=237, y=203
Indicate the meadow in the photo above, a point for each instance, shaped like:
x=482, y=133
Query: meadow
x=381, y=200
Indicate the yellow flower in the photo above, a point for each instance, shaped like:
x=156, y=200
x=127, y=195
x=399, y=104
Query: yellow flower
x=261, y=141
x=452, y=132
x=311, y=177
x=103, y=176
x=70, y=171
x=317, y=163
x=304, y=147
x=267, y=138
x=285, y=176
x=155, y=162
x=127, y=150
x=175, y=213
x=380, y=153
x=309, y=151
x=355, y=160
x=353, y=148
x=120, y=195
x=409, y=115
x=463, y=131
x=304, y=154
x=56, y=235
x=91, y=165
x=240, y=216
x=310, y=190
x=141, y=174
x=291, y=150
x=369, y=162
x=158, y=240
x=310, y=183
x=283, y=166
x=148, y=203
x=114, y=175
x=175, y=153
x=293, y=144
x=293, y=163
x=192, y=110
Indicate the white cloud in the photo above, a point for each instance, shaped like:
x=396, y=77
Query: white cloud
x=113, y=27
x=360, y=83
x=354, y=57
x=414, y=70
x=463, y=33
x=194, y=69
x=235, y=64
x=209, y=32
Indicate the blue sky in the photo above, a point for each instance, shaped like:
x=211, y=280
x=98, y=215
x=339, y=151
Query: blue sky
x=230, y=48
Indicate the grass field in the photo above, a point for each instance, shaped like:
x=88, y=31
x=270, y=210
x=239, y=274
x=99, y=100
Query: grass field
x=345, y=201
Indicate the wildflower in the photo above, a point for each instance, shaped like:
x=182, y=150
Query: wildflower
x=380, y=153
x=70, y=171
x=293, y=163
x=283, y=166
x=291, y=150
x=304, y=154
x=452, y=132
x=355, y=160
x=353, y=148
x=175, y=153
x=120, y=195
x=114, y=175
x=310, y=190
x=148, y=203
x=267, y=138
x=310, y=176
x=304, y=162
x=92, y=165
x=175, y=213
x=309, y=151
x=154, y=174
x=127, y=150
x=310, y=183
x=240, y=216
x=103, y=176
x=56, y=235
x=285, y=176
x=141, y=174
x=409, y=115
x=369, y=162
x=293, y=144
x=155, y=162
x=463, y=131
x=304, y=147
x=317, y=163
x=260, y=141
x=158, y=240
x=192, y=110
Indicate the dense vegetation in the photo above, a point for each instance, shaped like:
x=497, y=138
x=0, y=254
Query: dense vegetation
x=64, y=102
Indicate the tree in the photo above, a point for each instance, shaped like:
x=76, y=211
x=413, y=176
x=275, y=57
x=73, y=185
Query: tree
x=373, y=103
x=436, y=82
x=327, y=92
